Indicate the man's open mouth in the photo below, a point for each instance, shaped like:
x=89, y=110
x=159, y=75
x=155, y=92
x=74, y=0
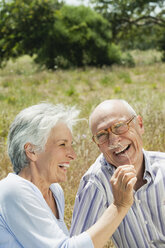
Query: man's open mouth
x=122, y=150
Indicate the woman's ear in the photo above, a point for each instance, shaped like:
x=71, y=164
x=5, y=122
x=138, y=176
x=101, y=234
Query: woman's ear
x=30, y=152
x=140, y=124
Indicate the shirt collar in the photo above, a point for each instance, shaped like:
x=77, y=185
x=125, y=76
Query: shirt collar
x=109, y=166
x=148, y=167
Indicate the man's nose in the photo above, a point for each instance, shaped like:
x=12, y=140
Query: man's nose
x=114, y=138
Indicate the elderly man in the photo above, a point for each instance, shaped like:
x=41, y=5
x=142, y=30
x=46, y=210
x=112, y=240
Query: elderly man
x=117, y=130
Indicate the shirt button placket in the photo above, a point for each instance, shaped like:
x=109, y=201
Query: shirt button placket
x=142, y=220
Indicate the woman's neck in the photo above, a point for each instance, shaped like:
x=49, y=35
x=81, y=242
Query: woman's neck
x=34, y=177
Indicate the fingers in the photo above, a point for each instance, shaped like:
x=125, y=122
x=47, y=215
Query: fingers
x=131, y=183
x=123, y=181
x=124, y=177
x=123, y=169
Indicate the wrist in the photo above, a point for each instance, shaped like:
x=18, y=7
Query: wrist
x=121, y=207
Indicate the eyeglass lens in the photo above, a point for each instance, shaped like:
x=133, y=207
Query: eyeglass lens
x=116, y=129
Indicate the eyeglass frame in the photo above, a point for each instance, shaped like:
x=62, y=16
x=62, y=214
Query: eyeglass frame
x=110, y=129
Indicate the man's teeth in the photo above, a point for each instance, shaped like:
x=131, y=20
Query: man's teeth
x=64, y=165
x=122, y=150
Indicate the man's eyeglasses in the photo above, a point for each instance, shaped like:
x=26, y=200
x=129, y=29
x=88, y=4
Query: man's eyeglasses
x=118, y=128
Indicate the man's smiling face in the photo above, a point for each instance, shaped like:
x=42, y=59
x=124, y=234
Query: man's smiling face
x=125, y=148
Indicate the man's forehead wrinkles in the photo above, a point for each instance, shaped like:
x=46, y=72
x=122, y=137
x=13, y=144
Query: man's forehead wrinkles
x=105, y=123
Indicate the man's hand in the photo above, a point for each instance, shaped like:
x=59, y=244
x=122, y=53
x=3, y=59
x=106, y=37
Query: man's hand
x=123, y=181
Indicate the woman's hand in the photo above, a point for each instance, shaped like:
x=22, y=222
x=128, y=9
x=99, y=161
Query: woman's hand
x=123, y=181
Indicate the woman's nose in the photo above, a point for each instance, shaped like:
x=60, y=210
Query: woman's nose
x=72, y=155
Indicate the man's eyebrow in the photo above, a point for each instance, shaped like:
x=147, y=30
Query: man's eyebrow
x=64, y=140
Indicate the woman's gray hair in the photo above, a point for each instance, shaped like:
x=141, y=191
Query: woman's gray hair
x=33, y=125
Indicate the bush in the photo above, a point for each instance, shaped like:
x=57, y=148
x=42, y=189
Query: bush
x=161, y=44
x=59, y=37
x=79, y=37
x=127, y=60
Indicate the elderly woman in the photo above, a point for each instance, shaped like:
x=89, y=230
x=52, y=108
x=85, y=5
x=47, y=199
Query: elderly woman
x=32, y=201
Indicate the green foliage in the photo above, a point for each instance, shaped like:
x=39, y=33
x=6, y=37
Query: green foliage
x=71, y=91
x=147, y=57
x=79, y=37
x=107, y=81
x=24, y=26
x=57, y=36
x=125, y=76
x=127, y=60
x=133, y=23
x=161, y=43
x=117, y=89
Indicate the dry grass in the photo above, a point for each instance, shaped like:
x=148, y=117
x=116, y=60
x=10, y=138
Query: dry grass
x=22, y=84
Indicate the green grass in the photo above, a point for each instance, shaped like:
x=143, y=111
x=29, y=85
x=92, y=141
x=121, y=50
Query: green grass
x=22, y=84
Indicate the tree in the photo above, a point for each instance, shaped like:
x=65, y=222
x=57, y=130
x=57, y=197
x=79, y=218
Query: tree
x=24, y=26
x=127, y=17
x=80, y=37
x=59, y=36
x=161, y=43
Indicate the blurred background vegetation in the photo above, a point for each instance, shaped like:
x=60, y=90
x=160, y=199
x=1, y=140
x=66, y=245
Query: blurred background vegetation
x=63, y=36
x=78, y=55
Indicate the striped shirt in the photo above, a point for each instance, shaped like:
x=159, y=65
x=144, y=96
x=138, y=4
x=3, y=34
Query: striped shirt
x=144, y=224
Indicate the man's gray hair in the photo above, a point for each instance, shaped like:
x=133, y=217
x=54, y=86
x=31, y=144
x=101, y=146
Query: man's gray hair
x=33, y=125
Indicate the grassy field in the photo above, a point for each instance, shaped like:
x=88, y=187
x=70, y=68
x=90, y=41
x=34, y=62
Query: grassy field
x=22, y=84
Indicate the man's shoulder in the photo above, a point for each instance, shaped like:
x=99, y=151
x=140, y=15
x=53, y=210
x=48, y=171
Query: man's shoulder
x=97, y=179
x=96, y=167
x=155, y=155
x=98, y=171
x=155, y=159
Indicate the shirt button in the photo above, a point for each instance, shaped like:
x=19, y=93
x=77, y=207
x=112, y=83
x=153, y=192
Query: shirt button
x=138, y=201
x=145, y=222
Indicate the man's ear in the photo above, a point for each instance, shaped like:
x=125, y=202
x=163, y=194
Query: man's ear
x=140, y=124
x=30, y=152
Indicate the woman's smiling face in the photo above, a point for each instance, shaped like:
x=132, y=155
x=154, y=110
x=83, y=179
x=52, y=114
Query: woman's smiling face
x=54, y=161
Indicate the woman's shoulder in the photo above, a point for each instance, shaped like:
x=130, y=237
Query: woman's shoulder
x=9, y=183
x=13, y=186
